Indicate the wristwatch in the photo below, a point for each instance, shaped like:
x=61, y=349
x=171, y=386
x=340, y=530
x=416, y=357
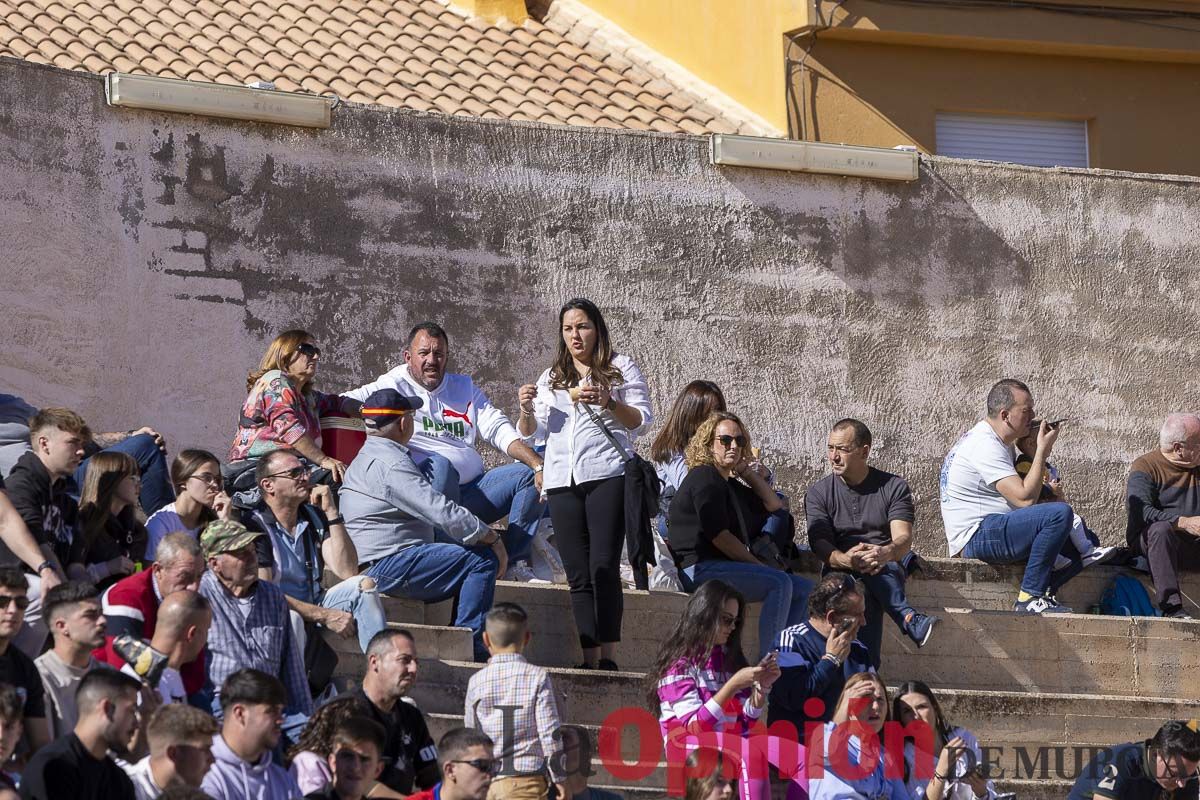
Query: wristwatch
x=338, y=520
x=539, y=467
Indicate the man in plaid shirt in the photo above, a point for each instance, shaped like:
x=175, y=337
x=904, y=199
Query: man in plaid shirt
x=514, y=703
x=250, y=625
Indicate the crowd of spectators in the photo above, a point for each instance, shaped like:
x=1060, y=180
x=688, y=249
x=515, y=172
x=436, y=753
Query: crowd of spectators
x=166, y=629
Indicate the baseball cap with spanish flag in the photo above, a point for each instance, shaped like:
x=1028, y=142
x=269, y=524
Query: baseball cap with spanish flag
x=386, y=406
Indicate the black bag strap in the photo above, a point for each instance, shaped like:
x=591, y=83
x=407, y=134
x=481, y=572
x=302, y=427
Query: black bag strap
x=315, y=527
x=607, y=433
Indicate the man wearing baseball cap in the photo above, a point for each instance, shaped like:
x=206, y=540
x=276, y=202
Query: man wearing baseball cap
x=391, y=511
x=249, y=621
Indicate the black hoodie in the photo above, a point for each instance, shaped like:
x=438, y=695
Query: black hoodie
x=49, y=512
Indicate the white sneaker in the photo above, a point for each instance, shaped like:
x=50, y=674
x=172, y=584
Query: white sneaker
x=521, y=573
x=1099, y=555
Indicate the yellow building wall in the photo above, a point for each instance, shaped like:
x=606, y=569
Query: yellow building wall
x=1140, y=115
x=736, y=46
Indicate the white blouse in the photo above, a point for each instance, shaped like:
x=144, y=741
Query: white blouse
x=577, y=450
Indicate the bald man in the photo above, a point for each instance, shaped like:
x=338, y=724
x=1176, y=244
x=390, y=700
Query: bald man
x=1163, y=500
x=183, y=622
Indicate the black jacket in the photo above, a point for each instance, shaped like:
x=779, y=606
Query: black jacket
x=49, y=512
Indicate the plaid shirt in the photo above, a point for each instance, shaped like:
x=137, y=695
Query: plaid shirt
x=510, y=685
x=262, y=641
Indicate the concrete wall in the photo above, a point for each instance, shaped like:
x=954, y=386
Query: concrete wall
x=147, y=260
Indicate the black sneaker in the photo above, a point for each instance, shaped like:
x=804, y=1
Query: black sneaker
x=919, y=626
x=1040, y=605
x=608, y=665
x=1176, y=612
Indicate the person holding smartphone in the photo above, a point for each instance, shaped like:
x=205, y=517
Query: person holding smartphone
x=956, y=757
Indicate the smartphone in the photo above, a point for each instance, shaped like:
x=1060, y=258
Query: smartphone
x=769, y=658
x=1058, y=422
x=845, y=625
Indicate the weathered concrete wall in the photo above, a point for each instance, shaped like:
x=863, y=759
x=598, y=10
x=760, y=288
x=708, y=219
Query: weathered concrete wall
x=148, y=258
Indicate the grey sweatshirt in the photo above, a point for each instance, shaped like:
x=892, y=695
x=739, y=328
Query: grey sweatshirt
x=389, y=505
x=231, y=778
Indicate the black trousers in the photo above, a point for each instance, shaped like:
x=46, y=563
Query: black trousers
x=1168, y=550
x=589, y=529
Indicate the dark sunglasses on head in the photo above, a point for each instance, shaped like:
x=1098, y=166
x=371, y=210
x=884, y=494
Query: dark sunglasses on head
x=489, y=766
x=309, y=349
x=729, y=440
x=21, y=600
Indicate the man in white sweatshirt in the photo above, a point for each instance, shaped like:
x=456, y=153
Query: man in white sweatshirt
x=252, y=705
x=455, y=411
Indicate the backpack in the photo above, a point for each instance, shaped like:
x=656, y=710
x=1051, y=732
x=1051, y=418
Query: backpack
x=1127, y=597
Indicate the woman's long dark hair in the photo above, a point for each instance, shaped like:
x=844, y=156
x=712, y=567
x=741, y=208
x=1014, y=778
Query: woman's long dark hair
x=563, y=374
x=692, y=639
x=318, y=734
x=693, y=405
x=941, y=728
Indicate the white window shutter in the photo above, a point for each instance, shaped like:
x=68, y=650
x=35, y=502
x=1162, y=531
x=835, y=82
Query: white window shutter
x=1017, y=140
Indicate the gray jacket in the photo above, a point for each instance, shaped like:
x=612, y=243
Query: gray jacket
x=390, y=505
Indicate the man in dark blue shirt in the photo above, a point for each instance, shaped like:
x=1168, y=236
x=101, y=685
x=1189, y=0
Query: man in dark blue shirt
x=1164, y=766
x=816, y=657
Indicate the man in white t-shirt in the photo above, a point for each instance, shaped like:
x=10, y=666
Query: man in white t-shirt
x=453, y=413
x=991, y=513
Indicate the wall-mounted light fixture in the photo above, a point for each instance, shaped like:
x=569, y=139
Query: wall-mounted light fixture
x=830, y=159
x=217, y=100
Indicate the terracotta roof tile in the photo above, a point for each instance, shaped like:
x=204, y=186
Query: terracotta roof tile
x=418, y=54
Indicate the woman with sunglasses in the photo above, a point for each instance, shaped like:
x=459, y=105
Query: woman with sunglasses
x=112, y=538
x=708, y=532
x=956, y=758
x=861, y=713
x=704, y=691
x=588, y=386
x=283, y=409
x=200, y=498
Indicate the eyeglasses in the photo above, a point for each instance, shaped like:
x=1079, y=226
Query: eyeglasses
x=309, y=349
x=488, y=766
x=215, y=481
x=728, y=441
x=1176, y=770
x=295, y=473
x=728, y=620
x=22, y=602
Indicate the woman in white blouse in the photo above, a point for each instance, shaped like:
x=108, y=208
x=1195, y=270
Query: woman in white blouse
x=584, y=474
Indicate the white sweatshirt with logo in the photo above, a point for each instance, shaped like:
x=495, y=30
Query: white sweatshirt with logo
x=452, y=416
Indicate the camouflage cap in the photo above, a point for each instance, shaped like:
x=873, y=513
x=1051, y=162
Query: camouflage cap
x=225, y=536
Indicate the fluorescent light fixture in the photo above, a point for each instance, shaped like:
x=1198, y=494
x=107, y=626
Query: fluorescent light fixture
x=217, y=100
x=831, y=159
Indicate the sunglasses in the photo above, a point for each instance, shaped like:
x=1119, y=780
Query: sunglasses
x=21, y=601
x=295, y=473
x=488, y=766
x=309, y=349
x=728, y=441
x=728, y=620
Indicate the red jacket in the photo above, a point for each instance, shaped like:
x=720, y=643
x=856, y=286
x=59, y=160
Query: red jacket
x=432, y=793
x=131, y=606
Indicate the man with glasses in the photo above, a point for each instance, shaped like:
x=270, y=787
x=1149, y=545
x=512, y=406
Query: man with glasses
x=250, y=626
x=392, y=511
x=860, y=521
x=452, y=413
x=467, y=765
x=16, y=668
x=1160, y=767
x=1163, y=501
x=304, y=536
x=131, y=605
x=816, y=657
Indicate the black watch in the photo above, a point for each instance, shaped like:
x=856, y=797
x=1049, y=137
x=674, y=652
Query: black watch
x=338, y=520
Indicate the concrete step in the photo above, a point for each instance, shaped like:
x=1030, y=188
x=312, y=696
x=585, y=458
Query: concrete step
x=1016, y=723
x=433, y=642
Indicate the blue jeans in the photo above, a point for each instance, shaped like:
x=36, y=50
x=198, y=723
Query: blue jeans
x=504, y=491
x=885, y=595
x=363, y=604
x=1034, y=534
x=152, y=464
x=784, y=597
x=439, y=571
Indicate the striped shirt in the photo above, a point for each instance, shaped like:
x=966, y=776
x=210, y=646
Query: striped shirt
x=261, y=639
x=687, y=699
x=511, y=686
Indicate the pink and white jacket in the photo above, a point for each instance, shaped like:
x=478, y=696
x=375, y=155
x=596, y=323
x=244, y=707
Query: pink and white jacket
x=687, y=699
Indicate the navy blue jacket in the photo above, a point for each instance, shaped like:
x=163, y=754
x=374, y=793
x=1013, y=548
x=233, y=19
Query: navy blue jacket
x=805, y=674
